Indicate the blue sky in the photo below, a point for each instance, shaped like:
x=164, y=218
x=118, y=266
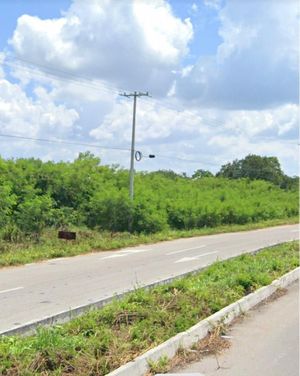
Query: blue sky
x=205, y=18
x=222, y=73
x=11, y=10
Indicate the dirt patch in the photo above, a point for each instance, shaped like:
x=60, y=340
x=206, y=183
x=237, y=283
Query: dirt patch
x=213, y=344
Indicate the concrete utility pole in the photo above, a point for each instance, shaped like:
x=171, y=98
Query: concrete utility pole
x=134, y=95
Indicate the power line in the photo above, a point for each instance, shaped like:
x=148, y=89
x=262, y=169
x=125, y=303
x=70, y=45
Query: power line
x=86, y=82
x=43, y=75
x=60, y=141
x=171, y=108
x=66, y=142
x=60, y=72
x=185, y=160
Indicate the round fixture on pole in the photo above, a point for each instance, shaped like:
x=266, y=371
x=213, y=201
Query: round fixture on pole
x=138, y=155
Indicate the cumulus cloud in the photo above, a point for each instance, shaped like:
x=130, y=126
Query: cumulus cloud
x=256, y=65
x=246, y=91
x=207, y=136
x=25, y=116
x=280, y=121
x=155, y=124
x=131, y=43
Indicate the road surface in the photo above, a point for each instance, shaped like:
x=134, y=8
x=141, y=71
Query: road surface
x=264, y=343
x=35, y=291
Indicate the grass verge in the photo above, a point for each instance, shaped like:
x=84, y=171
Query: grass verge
x=49, y=246
x=102, y=340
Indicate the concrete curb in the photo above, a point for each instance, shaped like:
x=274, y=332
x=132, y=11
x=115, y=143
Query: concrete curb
x=139, y=366
x=65, y=316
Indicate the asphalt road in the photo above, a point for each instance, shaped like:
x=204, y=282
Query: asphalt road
x=35, y=291
x=265, y=342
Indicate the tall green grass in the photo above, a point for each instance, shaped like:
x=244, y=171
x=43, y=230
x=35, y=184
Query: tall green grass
x=48, y=246
x=102, y=340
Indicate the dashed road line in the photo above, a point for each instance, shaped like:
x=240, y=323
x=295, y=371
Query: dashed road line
x=133, y=251
x=187, y=259
x=123, y=253
x=10, y=290
x=185, y=250
x=114, y=256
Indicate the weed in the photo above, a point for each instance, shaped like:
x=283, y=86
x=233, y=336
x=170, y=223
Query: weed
x=23, y=250
x=161, y=365
x=102, y=340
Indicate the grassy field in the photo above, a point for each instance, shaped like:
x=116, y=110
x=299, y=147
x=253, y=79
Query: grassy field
x=102, y=340
x=48, y=246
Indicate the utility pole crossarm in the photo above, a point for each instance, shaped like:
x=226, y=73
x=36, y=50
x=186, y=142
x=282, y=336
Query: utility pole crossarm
x=135, y=94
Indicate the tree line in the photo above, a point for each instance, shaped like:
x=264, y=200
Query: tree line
x=35, y=195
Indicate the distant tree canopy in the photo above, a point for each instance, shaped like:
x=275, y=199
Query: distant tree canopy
x=201, y=174
x=256, y=167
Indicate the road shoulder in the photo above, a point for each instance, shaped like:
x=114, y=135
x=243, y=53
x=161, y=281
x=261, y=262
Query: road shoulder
x=263, y=342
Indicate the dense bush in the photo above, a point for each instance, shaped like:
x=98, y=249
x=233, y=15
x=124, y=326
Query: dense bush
x=34, y=195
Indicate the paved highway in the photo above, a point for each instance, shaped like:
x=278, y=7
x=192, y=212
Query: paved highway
x=35, y=291
x=265, y=343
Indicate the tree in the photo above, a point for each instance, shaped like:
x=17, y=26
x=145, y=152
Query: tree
x=231, y=170
x=34, y=214
x=202, y=174
x=7, y=202
x=254, y=167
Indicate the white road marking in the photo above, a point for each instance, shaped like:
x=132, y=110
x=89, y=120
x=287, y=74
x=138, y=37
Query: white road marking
x=187, y=259
x=133, y=251
x=113, y=256
x=9, y=290
x=185, y=250
x=58, y=259
x=125, y=252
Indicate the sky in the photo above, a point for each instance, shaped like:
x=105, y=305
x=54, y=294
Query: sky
x=222, y=74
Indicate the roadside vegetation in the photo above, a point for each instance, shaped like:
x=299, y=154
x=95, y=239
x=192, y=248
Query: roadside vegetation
x=38, y=198
x=102, y=340
x=48, y=246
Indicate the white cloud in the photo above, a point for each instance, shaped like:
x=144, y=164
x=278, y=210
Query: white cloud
x=256, y=65
x=194, y=7
x=155, y=124
x=214, y=4
x=131, y=43
x=22, y=115
x=278, y=121
x=2, y=58
x=245, y=91
x=209, y=136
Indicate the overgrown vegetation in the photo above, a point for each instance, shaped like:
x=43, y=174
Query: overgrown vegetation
x=37, y=198
x=35, y=195
x=102, y=340
x=48, y=246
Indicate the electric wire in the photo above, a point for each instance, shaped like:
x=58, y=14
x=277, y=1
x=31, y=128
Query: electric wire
x=67, y=142
x=84, y=81
x=54, y=77
x=157, y=155
x=64, y=142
